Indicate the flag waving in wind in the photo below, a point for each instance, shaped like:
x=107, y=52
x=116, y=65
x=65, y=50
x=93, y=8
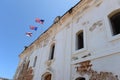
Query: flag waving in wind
x=29, y=34
x=33, y=28
x=41, y=21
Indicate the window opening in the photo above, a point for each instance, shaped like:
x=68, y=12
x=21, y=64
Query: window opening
x=48, y=77
x=115, y=22
x=35, y=61
x=52, y=52
x=80, y=40
x=80, y=78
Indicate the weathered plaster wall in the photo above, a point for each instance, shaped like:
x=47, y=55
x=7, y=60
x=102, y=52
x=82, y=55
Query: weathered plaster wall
x=100, y=47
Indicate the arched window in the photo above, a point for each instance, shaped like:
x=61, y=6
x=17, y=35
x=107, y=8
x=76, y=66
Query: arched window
x=79, y=40
x=80, y=78
x=47, y=76
x=35, y=60
x=52, y=49
x=114, y=18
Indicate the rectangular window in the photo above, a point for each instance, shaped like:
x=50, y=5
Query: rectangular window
x=115, y=22
x=80, y=40
x=35, y=59
x=52, y=52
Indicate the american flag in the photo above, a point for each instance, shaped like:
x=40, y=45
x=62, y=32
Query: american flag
x=41, y=21
x=29, y=34
x=33, y=28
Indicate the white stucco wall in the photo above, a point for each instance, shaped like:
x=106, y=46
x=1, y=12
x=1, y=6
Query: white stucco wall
x=98, y=41
x=103, y=47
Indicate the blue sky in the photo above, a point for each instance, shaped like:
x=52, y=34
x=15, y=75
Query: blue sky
x=15, y=18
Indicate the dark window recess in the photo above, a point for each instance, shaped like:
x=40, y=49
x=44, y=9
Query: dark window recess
x=80, y=41
x=48, y=77
x=52, y=52
x=80, y=78
x=115, y=22
x=35, y=61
